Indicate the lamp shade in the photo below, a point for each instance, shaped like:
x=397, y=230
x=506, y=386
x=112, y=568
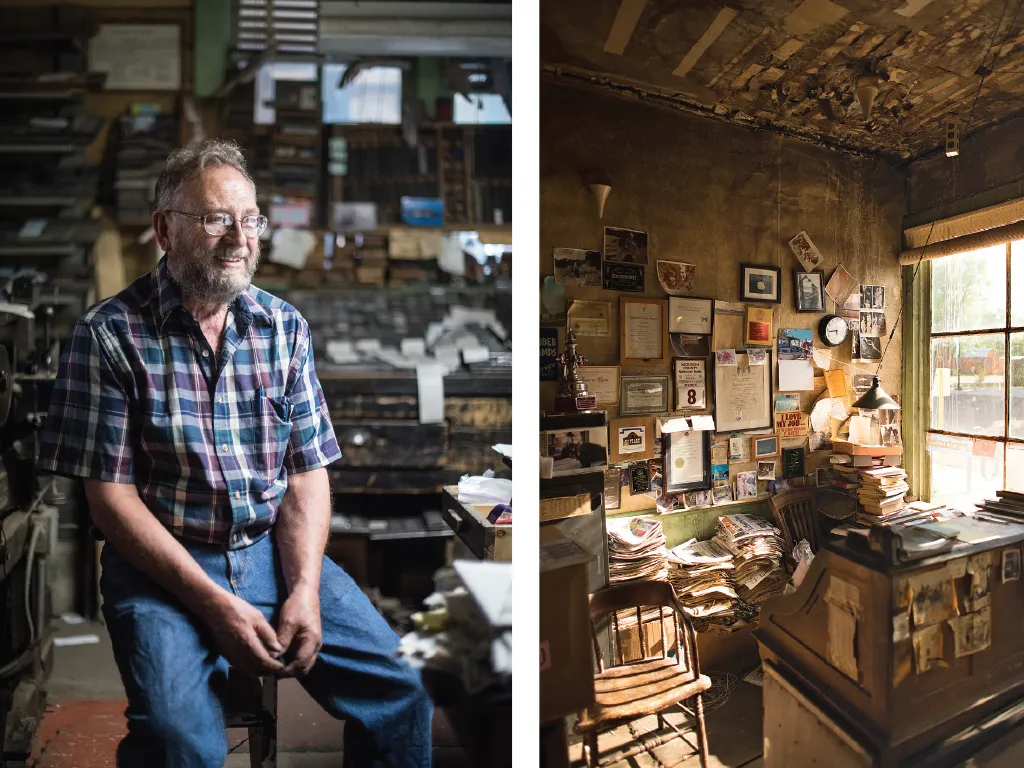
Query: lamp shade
x=876, y=399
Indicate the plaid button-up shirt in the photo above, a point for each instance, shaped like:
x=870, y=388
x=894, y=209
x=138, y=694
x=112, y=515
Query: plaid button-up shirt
x=141, y=398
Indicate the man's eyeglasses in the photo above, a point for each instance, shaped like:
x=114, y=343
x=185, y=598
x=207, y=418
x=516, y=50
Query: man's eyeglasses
x=219, y=224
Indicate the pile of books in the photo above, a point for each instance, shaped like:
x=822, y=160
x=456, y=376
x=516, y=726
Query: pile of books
x=757, y=548
x=699, y=572
x=1006, y=503
x=882, y=490
x=636, y=550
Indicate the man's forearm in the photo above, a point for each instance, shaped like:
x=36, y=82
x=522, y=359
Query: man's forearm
x=141, y=539
x=303, y=523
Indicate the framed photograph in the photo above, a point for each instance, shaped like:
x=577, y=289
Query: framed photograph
x=575, y=450
x=644, y=394
x=810, y=290
x=760, y=283
x=687, y=461
x=686, y=315
x=757, y=327
x=632, y=439
x=602, y=382
x=578, y=268
x=643, y=337
x=766, y=446
x=743, y=395
x=590, y=318
x=1011, y=564
x=627, y=246
x=691, y=384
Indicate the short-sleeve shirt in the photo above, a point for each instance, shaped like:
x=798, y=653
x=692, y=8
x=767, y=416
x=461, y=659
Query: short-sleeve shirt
x=208, y=441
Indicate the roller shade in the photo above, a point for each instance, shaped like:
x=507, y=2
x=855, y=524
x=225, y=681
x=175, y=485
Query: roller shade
x=967, y=232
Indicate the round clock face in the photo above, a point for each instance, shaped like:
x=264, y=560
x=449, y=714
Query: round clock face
x=833, y=330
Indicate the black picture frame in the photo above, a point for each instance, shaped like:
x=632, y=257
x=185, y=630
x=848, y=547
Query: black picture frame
x=750, y=271
x=667, y=458
x=798, y=276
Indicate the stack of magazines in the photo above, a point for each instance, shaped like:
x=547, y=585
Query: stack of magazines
x=636, y=550
x=757, y=555
x=699, y=572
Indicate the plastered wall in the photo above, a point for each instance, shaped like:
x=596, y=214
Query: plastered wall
x=713, y=195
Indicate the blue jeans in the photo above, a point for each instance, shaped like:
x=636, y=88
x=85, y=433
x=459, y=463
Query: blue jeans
x=175, y=679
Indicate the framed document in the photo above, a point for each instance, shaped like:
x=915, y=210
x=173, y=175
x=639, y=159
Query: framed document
x=590, y=318
x=632, y=439
x=602, y=382
x=743, y=395
x=690, y=315
x=691, y=384
x=644, y=394
x=686, y=461
x=643, y=337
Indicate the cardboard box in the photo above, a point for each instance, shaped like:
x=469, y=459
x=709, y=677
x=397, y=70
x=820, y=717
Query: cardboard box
x=566, y=648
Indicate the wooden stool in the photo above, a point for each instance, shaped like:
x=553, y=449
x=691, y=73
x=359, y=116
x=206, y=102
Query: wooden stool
x=252, y=703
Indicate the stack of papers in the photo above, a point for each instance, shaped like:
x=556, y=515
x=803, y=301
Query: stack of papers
x=699, y=572
x=757, y=550
x=636, y=550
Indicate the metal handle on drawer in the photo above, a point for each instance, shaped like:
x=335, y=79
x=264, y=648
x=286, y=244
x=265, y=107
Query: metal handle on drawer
x=459, y=522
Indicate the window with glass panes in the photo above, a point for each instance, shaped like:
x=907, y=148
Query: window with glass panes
x=976, y=403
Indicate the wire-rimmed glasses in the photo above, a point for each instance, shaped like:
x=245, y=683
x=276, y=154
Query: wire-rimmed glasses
x=219, y=224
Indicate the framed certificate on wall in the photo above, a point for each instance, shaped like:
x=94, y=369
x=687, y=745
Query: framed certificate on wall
x=743, y=395
x=643, y=335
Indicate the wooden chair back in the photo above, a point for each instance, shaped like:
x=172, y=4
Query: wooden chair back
x=634, y=596
x=794, y=514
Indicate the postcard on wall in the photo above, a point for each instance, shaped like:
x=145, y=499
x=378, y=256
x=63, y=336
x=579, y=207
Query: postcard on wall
x=737, y=447
x=757, y=356
x=795, y=344
x=691, y=383
x=576, y=267
x=841, y=285
x=624, y=277
x=758, y=327
x=676, y=277
x=872, y=323
x=590, y=318
x=806, y=252
x=872, y=297
x=746, y=485
x=627, y=246
x=687, y=315
x=787, y=402
x=602, y=382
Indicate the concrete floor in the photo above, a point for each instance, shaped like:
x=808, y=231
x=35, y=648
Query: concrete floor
x=85, y=717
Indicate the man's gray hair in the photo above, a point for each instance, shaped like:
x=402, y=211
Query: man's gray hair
x=188, y=162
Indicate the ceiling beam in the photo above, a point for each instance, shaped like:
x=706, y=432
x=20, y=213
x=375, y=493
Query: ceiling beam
x=712, y=33
x=622, y=28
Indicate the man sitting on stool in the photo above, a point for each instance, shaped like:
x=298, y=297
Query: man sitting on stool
x=190, y=406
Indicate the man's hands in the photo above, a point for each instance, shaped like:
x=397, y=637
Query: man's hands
x=298, y=630
x=245, y=638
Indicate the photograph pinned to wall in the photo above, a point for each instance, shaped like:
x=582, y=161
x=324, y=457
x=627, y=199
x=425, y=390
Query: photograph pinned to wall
x=632, y=439
x=757, y=356
x=746, y=485
x=851, y=307
x=690, y=345
x=644, y=394
x=810, y=290
x=1011, y=564
x=677, y=278
x=757, y=327
x=872, y=323
x=737, y=447
x=703, y=498
x=602, y=382
x=795, y=343
x=721, y=494
x=806, y=252
x=623, y=277
x=590, y=318
x=691, y=384
x=765, y=446
x=687, y=461
x=573, y=450
x=719, y=473
x=643, y=337
x=760, y=283
x=552, y=301
x=870, y=348
x=787, y=402
x=855, y=342
x=872, y=297
x=689, y=500
x=766, y=470
x=725, y=357
x=578, y=268
x=626, y=246
x=841, y=285
x=690, y=315
x=890, y=435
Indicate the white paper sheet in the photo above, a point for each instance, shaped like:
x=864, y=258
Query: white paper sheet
x=796, y=375
x=341, y=352
x=291, y=247
x=430, y=392
x=475, y=354
x=703, y=423
x=368, y=345
x=413, y=347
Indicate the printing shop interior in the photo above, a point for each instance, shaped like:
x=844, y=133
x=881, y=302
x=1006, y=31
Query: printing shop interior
x=378, y=138
x=781, y=359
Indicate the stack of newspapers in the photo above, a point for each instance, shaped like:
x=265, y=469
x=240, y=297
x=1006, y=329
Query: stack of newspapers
x=636, y=550
x=700, y=573
x=757, y=550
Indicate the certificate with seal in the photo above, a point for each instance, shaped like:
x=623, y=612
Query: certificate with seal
x=686, y=461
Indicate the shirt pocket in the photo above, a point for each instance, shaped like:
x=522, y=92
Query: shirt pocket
x=265, y=431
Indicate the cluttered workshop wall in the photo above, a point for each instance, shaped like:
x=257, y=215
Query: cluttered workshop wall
x=713, y=197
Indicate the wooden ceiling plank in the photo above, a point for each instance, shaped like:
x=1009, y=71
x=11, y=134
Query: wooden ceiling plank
x=712, y=33
x=626, y=19
x=735, y=59
x=842, y=42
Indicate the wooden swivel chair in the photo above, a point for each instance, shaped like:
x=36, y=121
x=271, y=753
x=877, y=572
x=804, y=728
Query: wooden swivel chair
x=794, y=514
x=629, y=690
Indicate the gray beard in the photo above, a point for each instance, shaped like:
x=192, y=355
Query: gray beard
x=199, y=283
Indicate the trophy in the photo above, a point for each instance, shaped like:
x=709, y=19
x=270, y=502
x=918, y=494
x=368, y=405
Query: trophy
x=572, y=395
